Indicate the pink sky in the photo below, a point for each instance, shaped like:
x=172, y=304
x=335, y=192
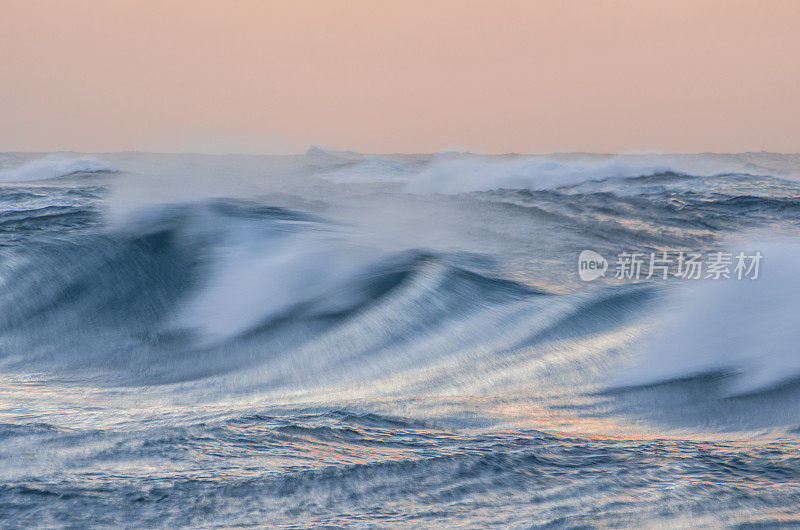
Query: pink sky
x=400, y=76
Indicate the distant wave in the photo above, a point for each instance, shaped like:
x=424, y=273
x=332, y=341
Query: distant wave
x=52, y=166
x=370, y=170
x=462, y=175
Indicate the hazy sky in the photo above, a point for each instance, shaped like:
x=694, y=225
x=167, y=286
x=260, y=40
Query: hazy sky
x=405, y=76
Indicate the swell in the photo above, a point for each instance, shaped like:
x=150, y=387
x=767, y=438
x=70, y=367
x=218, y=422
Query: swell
x=667, y=215
x=324, y=466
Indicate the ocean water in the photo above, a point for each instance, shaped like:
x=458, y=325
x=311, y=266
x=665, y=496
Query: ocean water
x=342, y=340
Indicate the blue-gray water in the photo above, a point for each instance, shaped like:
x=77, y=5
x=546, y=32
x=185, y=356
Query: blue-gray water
x=342, y=340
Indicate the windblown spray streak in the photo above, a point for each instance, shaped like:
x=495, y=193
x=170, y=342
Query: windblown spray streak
x=348, y=340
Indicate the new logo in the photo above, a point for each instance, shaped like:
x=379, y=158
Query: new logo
x=591, y=265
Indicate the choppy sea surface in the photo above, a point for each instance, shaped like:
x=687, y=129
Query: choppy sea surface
x=343, y=340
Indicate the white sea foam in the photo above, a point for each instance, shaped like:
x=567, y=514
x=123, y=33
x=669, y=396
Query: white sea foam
x=747, y=327
x=257, y=276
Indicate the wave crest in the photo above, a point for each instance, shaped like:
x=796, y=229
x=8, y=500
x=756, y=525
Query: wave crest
x=450, y=175
x=53, y=166
x=743, y=328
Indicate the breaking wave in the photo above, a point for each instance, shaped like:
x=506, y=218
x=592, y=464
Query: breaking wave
x=208, y=287
x=447, y=174
x=52, y=166
x=742, y=329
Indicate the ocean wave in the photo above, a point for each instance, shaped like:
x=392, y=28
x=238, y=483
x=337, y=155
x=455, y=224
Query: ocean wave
x=241, y=284
x=369, y=170
x=325, y=471
x=212, y=272
x=53, y=166
x=198, y=290
x=245, y=341
x=450, y=175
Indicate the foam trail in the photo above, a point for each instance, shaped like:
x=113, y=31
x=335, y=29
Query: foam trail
x=52, y=166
